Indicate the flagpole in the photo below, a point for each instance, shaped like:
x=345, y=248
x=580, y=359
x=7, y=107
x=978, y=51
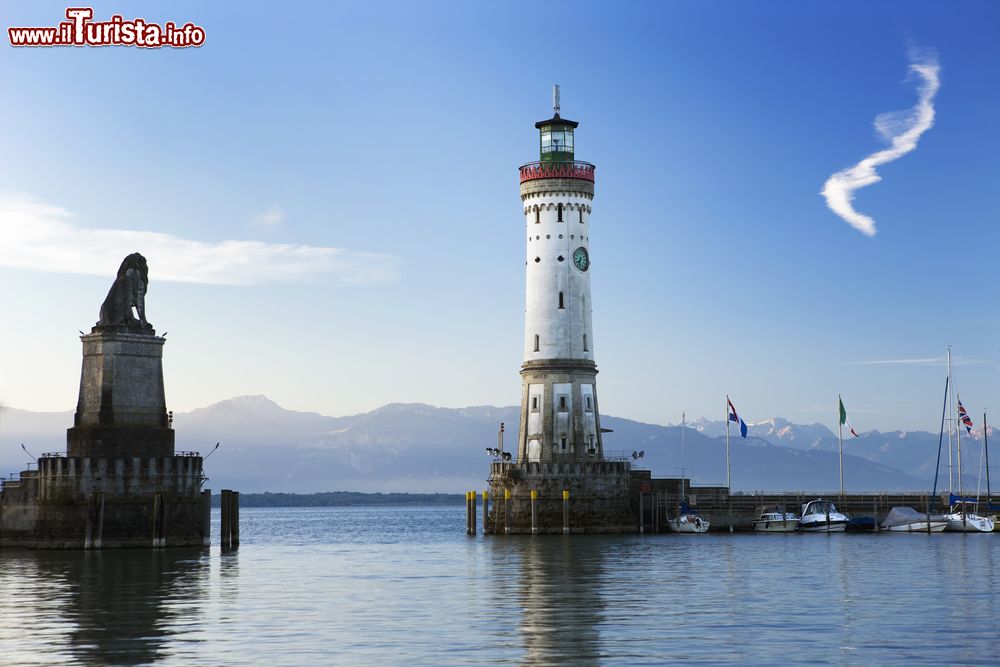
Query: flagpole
x=728, y=480
x=840, y=429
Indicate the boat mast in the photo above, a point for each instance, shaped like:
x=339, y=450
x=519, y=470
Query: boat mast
x=986, y=452
x=683, y=426
x=958, y=449
x=937, y=468
x=840, y=428
x=951, y=455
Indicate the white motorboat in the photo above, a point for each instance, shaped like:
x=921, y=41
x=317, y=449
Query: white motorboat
x=776, y=522
x=820, y=516
x=909, y=520
x=688, y=523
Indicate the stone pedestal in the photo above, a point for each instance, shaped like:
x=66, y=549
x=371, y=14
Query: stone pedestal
x=122, y=410
x=600, y=497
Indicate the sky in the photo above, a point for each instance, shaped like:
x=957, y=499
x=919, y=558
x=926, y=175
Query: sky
x=327, y=196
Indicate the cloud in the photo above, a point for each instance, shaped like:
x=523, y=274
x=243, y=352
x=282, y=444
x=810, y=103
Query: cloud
x=41, y=237
x=272, y=217
x=902, y=130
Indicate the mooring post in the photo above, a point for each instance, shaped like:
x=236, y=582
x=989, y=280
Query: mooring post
x=225, y=531
x=234, y=514
x=468, y=515
x=927, y=507
x=206, y=518
x=875, y=512
x=472, y=506
x=486, y=512
x=565, y=511
x=534, y=521
x=506, y=511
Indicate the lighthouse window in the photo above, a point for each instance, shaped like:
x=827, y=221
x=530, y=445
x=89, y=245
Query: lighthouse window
x=538, y=216
x=588, y=404
x=581, y=216
x=534, y=404
x=559, y=213
x=584, y=342
x=562, y=443
x=560, y=258
x=536, y=342
x=561, y=306
x=562, y=404
x=538, y=259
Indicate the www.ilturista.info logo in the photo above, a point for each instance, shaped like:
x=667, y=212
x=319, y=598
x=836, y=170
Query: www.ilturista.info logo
x=80, y=30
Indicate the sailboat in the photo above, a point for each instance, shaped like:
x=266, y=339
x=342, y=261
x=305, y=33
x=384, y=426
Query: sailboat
x=687, y=520
x=959, y=519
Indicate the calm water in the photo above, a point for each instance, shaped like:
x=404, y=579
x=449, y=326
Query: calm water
x=405, y=586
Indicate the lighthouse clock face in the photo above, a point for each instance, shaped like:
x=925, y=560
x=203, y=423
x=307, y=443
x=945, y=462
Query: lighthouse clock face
x=581, y=259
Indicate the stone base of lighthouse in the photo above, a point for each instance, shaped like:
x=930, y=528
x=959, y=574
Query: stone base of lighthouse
x=601, y=497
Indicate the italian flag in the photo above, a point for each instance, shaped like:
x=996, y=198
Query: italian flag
x=843, y=418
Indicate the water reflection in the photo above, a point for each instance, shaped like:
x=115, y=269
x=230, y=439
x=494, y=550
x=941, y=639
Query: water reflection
x=109, y=607
x=560, y=598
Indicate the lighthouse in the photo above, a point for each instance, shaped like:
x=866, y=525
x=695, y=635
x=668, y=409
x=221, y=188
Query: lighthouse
x=561, y=480
x=559, y=409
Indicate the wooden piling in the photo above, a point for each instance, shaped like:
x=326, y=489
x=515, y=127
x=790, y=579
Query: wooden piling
x=234, y=515
x=206, y=518
x=225, y=529
x=565, y=512
x=506, y=511
x=534, y=521
x=472, y=509
x=486, y=512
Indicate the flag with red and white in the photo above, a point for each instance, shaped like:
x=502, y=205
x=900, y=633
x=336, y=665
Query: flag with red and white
x=963, y=416
x=844, y=420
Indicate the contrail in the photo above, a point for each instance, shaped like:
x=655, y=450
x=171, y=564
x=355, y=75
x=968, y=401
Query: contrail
x=902, y=129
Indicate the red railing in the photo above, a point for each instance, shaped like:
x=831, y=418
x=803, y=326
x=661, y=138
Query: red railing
x=575, y=169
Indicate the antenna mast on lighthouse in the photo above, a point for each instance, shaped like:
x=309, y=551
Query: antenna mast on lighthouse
x=555, y=99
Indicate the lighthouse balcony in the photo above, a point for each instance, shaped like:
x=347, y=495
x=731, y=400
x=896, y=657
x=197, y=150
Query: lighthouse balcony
x=532, y=171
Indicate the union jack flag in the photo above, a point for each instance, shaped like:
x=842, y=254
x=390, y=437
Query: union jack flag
x=963, y=417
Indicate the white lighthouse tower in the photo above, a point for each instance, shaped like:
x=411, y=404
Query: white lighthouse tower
x=559, y=409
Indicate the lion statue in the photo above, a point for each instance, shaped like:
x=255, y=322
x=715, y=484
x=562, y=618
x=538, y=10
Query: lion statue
x=128, y=291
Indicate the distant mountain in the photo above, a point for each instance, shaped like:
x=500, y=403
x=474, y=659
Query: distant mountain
x=774, y=429
x=423, y=449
